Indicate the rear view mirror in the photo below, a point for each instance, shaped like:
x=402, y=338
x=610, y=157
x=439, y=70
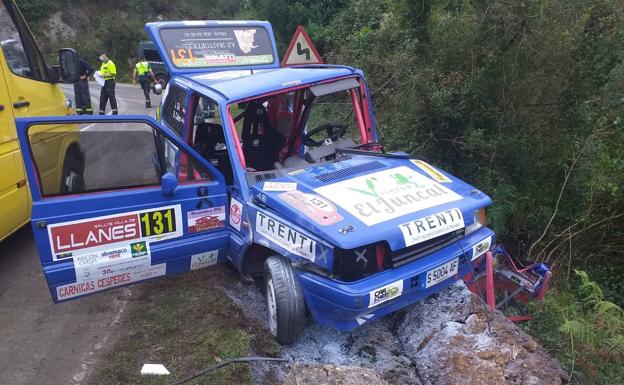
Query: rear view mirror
x=168, y=184
x=68, y=61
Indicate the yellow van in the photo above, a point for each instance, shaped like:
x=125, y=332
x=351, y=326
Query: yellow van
x=28, y=87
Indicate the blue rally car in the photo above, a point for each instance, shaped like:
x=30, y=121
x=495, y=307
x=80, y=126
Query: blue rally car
x=277, y=171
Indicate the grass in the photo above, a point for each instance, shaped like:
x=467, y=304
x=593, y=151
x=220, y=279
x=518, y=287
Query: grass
x=186, y=324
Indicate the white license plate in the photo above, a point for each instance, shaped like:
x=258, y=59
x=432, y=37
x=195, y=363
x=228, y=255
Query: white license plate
x=441, y=273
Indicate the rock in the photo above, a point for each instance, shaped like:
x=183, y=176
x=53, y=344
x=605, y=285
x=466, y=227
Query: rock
x=452, y=339
x=310, y=374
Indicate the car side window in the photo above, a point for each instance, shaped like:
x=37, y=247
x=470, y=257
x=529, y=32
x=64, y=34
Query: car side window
x=175, y=109
x=106, y=156
x=19, y=48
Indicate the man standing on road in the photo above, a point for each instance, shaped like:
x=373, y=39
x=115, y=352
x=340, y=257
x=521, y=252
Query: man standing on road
x=143, y=69
x=81, y=88
x=108, y=71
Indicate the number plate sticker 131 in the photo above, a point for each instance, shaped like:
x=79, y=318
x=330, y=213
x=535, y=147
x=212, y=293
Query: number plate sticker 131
x=69, y=239
x=441, y=273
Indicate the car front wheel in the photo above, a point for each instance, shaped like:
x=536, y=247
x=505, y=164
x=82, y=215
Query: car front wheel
x=284, y=297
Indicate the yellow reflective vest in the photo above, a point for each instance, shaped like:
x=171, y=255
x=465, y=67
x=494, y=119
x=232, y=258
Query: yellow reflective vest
x=108, y=70
x=142, y=68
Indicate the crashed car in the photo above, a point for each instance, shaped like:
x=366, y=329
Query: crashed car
x=277, y=171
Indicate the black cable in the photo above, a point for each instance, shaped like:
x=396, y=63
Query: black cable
x=224, y=363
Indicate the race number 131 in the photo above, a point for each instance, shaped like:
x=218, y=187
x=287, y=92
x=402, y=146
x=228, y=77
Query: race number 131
x=158, y=222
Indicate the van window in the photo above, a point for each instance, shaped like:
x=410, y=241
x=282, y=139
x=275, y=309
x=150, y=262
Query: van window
x=19, y=48
x=175, y=109
x=152, y=55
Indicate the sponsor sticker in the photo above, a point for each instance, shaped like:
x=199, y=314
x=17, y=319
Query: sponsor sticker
x=201, y=260
x=431, y=226
x=110, y=268
x=236, y=214
x=431, y=171
x=287, y=238
x=68, y=239
x=386, y=293
x=388, y=194
x=279, y=186
x=205, y=219
x=481, y=248
x=317, y=208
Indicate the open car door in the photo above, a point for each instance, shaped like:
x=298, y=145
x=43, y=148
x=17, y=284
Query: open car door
x=112, y=205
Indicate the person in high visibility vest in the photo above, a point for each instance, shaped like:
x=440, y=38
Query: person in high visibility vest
x=81, y=88
x=143, y=69
x=108, y=72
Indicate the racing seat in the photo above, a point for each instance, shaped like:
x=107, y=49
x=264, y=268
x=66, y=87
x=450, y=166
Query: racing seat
x=210, y=143
x=261, y=141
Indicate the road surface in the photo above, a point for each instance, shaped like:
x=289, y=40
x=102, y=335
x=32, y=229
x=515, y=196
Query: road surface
x=43, y=343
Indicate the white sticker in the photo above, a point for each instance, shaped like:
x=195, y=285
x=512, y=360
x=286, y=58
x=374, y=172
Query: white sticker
x=297, y=172
x=386, y=293
x=388, y=194
x=279, y=186
x=481, y=248
x=236, y=214
x=206, y=219
x=431, y=226
x=285, y=237
x=431, y=171
x=91, y=235
x=201, y=260
x=111, y=268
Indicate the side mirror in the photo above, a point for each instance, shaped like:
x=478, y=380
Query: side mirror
x=168, y=184
x=68, y=61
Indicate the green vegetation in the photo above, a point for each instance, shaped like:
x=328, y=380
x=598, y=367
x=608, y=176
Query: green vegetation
x=584, y=330
x=522, y=99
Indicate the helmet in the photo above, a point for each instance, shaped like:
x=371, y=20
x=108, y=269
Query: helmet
x=158, y=88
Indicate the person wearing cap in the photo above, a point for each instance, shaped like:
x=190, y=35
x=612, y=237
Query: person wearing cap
x=81, y=88
x=108, y=71
x=143, y=69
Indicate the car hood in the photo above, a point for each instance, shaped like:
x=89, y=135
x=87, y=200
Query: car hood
x=366, y=199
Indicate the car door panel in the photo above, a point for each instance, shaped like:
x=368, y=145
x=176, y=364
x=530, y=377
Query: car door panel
x=97, y=240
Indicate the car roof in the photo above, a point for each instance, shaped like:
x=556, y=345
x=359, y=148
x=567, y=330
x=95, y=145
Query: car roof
x=241, y=84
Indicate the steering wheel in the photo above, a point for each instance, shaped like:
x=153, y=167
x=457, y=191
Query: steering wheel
x=334, y=132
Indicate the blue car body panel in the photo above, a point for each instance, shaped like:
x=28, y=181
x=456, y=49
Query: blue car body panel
x=365, y=200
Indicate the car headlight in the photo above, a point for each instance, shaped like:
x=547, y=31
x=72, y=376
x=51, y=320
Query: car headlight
x=479, y=221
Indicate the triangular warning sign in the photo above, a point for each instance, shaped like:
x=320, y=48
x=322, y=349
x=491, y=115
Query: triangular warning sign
x=301, y=50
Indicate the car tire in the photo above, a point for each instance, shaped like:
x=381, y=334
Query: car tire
x=72, y=179
x=284, y=298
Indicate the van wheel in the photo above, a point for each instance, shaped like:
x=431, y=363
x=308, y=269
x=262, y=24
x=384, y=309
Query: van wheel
x=72, y=179
x=162, y=79
x=284, y=297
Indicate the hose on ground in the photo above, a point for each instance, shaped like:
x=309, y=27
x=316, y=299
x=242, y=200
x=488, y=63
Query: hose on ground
x=224, y=363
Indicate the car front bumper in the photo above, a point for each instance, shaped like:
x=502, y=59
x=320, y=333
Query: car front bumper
x=347, y=305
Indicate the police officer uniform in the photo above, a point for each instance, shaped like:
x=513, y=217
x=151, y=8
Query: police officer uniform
x=108, y=72
x=81, y=88
x=143, y=69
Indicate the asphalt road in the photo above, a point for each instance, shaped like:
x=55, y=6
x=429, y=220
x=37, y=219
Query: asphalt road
x=43, y=343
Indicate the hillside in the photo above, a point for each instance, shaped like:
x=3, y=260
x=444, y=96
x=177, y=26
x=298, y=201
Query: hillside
x=522, y=99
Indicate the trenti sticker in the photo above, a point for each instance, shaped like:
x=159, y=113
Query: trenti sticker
x=285, y=237
x=93, y=235
x=388, y=194
x=206, y=219
x=431, y=171
x=431, y=226
x=315, y=207
x=279, y=186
